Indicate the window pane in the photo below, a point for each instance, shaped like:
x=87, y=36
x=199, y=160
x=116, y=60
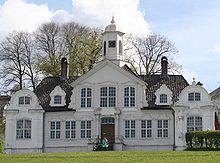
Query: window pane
x=191, y=96
x=103, y=91
x=126, y=101
x=83, y=124
x=112, y=102
x=103, y=102
x=73, y=124
x=27, y=134
x=27, y=100
x=159, y=123
x=19, y=134
x=163, y=98
x=88, y=124
x=89, y=103
x=143, y=133
x=52, y=125
x=83, y=102
x=149, y=124
x=132, y=91
x=132, y=133
x=197, y=96
x=132, y=101
x=68, y=134
x=21, y=100
x=57, y=99
x=112, y=91
x=20, y=124
x=132, y=123
x=88, y=133
x=143, y=124
x=67, y=124
x=27, y=124
x=127, y=124
x=89, y=92
x=83, y=134
x=127, y=133
x=83, y=92
x=149, y=133
x=159, y=133
x=57, y=125
x=126, y=91
x=165, y=123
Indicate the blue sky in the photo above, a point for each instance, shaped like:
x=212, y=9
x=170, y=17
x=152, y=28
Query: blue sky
x=192, y=25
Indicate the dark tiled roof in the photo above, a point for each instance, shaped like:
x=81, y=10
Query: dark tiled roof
x=176, y=83
x=47, y=85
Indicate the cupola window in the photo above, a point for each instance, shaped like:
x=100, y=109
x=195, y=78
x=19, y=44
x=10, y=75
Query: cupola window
x=112, y=44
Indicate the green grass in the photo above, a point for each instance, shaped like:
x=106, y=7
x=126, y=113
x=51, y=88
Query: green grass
x=115, y=156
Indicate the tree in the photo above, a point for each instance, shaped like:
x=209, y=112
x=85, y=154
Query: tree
x=144, y=54
x=50, y=48
x=13, y=68
x=17, y=56
x=82, y=46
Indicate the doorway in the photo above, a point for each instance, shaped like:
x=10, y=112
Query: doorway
x=108, y=129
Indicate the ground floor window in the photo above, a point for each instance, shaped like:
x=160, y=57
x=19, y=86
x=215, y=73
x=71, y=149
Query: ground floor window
x=129, y=128
x=70, y=129
x=194, y=123
x=146, y=128
x=162, y=128
x=86, y=129
x=23, y=129
x=55, y=130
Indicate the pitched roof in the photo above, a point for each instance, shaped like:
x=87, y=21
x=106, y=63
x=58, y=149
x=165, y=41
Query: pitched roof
x=176, y=83
x=47, y=85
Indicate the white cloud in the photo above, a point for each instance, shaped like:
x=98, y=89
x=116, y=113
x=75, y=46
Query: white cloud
x=20, y=15
x=215, y=49
x=99, y=13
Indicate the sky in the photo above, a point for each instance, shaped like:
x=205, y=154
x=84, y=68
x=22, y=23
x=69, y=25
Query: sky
x=192, y=25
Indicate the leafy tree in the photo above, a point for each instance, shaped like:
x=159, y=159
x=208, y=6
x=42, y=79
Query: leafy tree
x=144, y=54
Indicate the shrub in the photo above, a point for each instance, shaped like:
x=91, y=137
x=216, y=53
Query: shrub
x=203, y=139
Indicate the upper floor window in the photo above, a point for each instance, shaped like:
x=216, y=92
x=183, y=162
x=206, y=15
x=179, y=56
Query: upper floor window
x=57, y=99
x=194, y=123
x=194, y=96
x=163, y=98
x=24, y=100
x=23, y=129
x=111, y=44
x=129, y=96
x=86, y=97
x=107, y=97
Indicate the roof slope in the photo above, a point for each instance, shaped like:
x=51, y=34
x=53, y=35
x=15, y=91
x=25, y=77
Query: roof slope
x=47, y=85
x=176, y=83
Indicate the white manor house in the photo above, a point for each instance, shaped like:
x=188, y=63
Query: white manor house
x=135, y=112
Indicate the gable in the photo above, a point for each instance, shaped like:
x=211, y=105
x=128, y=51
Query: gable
x=107, y=72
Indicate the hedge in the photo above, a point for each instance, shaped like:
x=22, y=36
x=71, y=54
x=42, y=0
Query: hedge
x=203, y=139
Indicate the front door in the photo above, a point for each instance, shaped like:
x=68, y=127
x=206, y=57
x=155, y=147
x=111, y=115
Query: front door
x=108, y=129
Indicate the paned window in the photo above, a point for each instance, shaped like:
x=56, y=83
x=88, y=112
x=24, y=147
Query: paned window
x=57, y=99
x=129, y=97
x=162, y=128
x=23, y=129
x=24, y=100
x=146, y=128
x=70, y=129
x=55, y=130
x=163, y=98
x=86, y=97
x=194, y=96
x=86, y=129
x=111, y=44
x=194, y=123
x=107, y=97
x=130, y=129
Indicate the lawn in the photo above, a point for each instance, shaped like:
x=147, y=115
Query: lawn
x=115, y=156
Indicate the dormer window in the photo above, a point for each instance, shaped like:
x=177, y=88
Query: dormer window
x=112, y=44
x=163, y=98
x=163, y=95
x=57, y=99
x=194, y=96
x=24, y=100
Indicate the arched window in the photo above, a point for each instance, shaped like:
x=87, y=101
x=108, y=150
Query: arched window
x=163, y=98
x=194, y=123
x=120, y=47
x=57, y=99
x=23, y=129
x=104, y=48
x=129, y=97
x=86, y=97
x=107, y=96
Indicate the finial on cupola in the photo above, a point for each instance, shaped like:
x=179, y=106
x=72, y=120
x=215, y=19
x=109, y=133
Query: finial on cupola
x=113, y=20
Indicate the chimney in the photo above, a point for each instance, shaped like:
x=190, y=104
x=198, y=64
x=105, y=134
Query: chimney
x=164, y=69
x=64, y=70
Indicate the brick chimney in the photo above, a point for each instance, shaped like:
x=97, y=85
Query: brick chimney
x=164, y=68
x=64, y=68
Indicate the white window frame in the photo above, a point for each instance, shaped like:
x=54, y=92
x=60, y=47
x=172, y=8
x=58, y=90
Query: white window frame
x=55, y=127
x=57, y=100
x=130, y=128
x=194, y=96
x=146, y=128
x=194, y=123
x=86, y=97
x=108, y=97
x=163, y=98
x=163, y=128
x=70, y=132
x=86, y=129
x=23, y=130
x=129, y=97
x=24, y=100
